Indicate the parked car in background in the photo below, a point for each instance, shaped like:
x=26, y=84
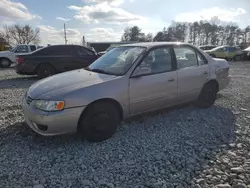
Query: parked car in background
x=9, y=57
x=129, y=80
x=226, y=52
x=207, y=47
x=55, y=59
x=246, y=53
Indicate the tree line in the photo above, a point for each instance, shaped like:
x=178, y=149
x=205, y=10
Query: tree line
x=19, y=34
x=212, y=32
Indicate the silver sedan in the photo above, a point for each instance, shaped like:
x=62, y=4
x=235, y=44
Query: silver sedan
x=126, y=81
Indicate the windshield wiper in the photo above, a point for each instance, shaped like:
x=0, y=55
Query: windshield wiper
x=87, y=68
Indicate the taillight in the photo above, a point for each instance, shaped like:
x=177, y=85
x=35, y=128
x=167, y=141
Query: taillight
x=19, y=60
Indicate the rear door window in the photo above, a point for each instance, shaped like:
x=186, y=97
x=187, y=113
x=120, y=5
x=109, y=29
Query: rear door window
x=81, y=51
x=186, y=57
x=45, y=51
x=63, y=50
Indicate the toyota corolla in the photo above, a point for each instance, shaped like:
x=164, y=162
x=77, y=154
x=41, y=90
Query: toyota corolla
x=126, y=81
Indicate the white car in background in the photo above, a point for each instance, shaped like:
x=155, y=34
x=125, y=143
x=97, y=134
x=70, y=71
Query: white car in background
x=9, y=57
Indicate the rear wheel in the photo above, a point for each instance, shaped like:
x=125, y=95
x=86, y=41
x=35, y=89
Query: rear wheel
x=207, y=96
x=5, y=63
x=45, y=70
x=237, y=58
x=99, y=122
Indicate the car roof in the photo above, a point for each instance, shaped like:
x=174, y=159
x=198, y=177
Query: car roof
x=155, y=44
x=57, y=45
x=207, y=45
x=67, y=45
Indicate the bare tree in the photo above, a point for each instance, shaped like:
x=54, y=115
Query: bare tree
x=18, y=34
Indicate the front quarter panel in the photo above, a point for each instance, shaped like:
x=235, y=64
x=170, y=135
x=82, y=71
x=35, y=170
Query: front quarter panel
x=116, y=89
x=10, y=55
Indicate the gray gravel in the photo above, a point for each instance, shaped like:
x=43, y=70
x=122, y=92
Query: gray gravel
x=176, y=148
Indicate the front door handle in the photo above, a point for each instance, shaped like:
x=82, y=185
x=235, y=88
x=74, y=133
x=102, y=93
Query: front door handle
x=205, y=72
x=171, y=80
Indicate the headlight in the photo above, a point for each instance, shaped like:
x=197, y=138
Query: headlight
x=49, y=105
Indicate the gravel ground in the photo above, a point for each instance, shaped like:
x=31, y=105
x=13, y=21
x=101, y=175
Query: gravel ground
x=180, y=147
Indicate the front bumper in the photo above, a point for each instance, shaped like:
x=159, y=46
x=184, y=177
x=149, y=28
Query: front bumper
x=57, y=123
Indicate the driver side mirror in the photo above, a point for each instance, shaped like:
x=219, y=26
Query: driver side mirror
x=141, y=71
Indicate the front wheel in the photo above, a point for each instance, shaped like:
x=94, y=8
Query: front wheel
x=5, y=63
x=207, y=96
x=99, y=122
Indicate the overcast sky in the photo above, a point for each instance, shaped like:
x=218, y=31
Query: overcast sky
x=105, y=20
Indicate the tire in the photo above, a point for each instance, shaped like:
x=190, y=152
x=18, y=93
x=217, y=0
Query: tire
x=207, y=95
x=237, y=58
x=45, y=70
x=99, y=122
x=5, y=63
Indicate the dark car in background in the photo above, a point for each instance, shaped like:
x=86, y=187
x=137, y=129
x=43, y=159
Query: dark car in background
x=54, y=59
x=207, y=47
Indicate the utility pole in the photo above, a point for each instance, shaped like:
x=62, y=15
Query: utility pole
x=65, y=36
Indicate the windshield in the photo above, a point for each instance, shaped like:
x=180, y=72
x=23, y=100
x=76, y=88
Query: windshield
x=14, y=49
x=117, y=61
x=217, y=48
x=110, y=48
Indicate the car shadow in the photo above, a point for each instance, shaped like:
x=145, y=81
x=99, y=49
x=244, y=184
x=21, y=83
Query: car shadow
x=18, y=82
x=173, y=143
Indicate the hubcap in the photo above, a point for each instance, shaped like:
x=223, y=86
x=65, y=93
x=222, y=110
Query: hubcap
x=46, y=72
x=100, y=122
x=5, y=62
x=210, y=94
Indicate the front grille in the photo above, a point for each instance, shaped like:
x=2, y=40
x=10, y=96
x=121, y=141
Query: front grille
x=28, y=100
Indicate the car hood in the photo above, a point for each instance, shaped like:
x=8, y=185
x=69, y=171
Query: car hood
x=58, y=85
x=6, y=52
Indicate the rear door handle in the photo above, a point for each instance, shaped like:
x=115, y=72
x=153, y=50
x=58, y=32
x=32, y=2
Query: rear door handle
x=205, y=72
x=171, y=80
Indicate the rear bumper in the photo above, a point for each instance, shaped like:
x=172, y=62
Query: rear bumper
x=24, y=70
x=224, y=82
